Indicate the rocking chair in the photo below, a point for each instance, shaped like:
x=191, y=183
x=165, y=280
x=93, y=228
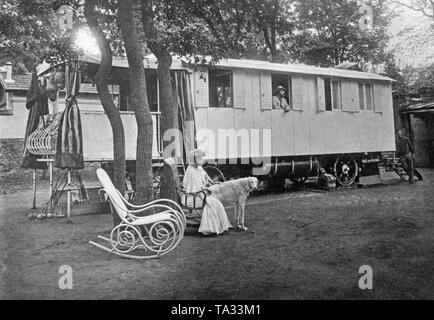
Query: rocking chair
x=143, y=237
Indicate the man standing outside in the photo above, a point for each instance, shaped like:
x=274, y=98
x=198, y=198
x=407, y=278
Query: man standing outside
x=279, y=101
x=405, y=153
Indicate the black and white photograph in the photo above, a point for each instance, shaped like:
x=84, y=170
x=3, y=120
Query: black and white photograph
x=216, y=155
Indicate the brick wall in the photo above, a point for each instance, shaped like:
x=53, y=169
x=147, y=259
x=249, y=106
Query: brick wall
x=14, y=178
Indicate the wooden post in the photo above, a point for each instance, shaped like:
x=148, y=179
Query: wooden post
x=34, y=189
x=50, y=169
x=68, y=199
x=55, y=104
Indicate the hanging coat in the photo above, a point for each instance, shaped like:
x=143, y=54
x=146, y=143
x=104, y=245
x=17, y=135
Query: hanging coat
x=37, y=104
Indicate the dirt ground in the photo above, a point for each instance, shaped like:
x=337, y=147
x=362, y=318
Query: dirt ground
x=302, y=245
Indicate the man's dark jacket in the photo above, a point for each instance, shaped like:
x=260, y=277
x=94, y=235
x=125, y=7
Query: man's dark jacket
x=403, y=146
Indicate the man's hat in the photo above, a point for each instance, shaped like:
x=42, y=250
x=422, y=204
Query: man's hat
x=279, y=88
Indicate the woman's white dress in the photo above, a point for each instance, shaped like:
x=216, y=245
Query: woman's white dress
x=214, y=218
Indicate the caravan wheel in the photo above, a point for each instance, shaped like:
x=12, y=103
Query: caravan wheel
x=346, y=170
x=215, y=174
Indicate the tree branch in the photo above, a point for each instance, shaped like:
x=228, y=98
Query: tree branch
x=418, y=8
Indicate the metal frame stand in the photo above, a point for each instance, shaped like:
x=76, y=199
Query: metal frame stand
x=68, y=194
x=34, y=188
x=68, y=198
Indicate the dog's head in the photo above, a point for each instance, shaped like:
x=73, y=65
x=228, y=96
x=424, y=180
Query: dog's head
x=253, y=183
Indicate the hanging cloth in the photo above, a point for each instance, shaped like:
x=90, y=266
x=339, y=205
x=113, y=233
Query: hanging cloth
x=37, y=104
x=69, y=150
x=182, y=94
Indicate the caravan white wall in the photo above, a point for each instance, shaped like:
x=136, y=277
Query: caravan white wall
x=309, y=128
x=98, y=138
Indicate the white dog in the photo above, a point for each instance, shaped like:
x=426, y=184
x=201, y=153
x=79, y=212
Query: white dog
x=235, y=192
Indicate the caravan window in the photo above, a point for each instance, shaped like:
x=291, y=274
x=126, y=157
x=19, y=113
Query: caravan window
x=152, y=89
x=366, y=96
x=333, y=94
x=337, y=94
x=361, y=97
x=328, y=94
x=369, y=97
x=282, y=80
x=220, y=89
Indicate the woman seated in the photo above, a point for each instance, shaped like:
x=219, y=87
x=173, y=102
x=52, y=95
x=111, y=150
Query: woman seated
x=214, y=219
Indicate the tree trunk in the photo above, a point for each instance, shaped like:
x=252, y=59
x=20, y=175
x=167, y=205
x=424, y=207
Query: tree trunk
x=168, y=105
x=101, y=80
x=169, y=123
x=170, y=182
x=139, y=102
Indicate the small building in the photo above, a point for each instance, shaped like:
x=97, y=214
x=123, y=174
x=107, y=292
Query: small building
x=418, y=119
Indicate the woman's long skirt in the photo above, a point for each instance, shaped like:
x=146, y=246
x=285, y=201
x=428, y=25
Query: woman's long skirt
x=214, y=218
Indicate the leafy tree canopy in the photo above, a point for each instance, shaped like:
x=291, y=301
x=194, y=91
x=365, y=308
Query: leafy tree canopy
x=328, y=33
x=29, y=34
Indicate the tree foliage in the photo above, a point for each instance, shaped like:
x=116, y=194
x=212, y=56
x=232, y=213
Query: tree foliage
x=29, y=34
x=416, y=42
x=309, y=31
x=247, y=28
x=323, y=33
x=328, y=34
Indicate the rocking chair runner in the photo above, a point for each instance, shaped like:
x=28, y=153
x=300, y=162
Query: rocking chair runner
x=162, y=231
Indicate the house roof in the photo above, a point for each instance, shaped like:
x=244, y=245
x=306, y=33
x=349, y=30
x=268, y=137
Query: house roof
x=22, y=83
x=426, y=107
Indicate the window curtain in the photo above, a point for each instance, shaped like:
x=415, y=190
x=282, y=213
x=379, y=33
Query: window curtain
x=69, y=149
x=183, y=98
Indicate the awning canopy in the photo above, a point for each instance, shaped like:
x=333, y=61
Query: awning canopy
x=426, y=107
x=150, y=61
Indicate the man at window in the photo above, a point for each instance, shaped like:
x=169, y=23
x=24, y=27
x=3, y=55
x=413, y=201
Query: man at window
x=279, y=100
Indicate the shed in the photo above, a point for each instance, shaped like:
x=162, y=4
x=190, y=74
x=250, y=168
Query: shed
x=419, y=119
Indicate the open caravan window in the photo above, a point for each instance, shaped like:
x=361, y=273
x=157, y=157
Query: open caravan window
x=151, y=89
x=220, y=88
x=285, y=81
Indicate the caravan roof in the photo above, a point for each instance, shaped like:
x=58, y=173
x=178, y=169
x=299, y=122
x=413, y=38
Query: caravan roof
x=299, y=69
x=183, y=63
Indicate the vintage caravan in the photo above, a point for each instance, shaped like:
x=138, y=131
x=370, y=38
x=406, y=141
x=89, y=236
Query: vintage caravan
x=339, y=121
